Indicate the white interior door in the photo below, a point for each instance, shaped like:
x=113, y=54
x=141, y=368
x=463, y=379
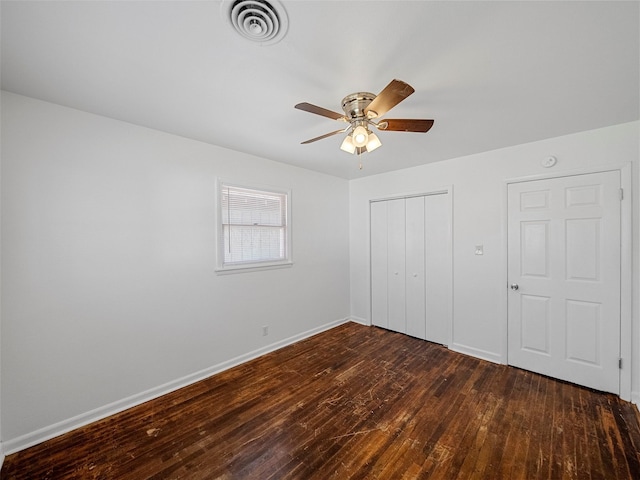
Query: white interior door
x=415, y=266
x=379, y=270
x=396, y=265
x=564, y=275
x=438, y=268
x=411, y=267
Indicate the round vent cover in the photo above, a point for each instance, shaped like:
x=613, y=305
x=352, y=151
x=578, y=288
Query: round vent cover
x=260, y=21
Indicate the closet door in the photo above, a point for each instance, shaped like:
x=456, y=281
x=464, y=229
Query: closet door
x=396, y=265
x=379, y=271
x=415, y=267
x=411, y=266
x=439, y=267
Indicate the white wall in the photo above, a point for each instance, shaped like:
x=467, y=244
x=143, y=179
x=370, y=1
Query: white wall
x=1, y=444
x=109, y=293
x=479, y=307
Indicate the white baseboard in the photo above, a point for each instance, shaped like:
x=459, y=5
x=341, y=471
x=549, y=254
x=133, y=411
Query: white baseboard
x=476, y=352
x=361, y=321
x=33, y=438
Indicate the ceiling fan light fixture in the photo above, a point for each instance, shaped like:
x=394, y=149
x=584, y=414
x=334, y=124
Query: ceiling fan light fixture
x=373, y=142
x=347, y=145
x=360, y=109
x=360, y=136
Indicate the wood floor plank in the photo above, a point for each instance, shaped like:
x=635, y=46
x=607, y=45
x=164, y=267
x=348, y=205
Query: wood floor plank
x=354, y=402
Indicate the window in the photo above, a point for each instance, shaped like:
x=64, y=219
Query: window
x=253, y=227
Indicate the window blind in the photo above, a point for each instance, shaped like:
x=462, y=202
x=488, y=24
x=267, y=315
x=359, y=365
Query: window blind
x=254, y=225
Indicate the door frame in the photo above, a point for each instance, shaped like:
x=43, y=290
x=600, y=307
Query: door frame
x=626, y=268
x=447, y=190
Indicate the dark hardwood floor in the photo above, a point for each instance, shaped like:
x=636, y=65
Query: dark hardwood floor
x=355, y=403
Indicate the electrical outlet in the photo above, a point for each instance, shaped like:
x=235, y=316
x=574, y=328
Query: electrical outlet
x=265, y=330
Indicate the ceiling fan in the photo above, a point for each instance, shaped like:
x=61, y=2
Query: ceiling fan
x=361, y=110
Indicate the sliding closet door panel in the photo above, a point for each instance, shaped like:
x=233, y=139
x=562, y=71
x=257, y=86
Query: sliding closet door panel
x=415, y=266
x=438, y=268
x=379, y=273
x=396, y=265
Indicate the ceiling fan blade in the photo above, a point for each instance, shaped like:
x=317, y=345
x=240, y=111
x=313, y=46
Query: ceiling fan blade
x=393, y=94
x=307, y=107
x=324, y=136
x=405, y=125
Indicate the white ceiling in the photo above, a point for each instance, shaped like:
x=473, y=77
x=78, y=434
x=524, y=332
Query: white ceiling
x=492, y=74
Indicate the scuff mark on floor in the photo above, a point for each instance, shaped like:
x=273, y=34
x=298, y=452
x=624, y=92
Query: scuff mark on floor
x=355, y=433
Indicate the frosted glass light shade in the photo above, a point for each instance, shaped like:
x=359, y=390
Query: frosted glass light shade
x=360, y=136
x=373, y=143
x=347, y=145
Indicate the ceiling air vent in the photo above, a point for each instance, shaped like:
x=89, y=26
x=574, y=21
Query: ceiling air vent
x=260, y=21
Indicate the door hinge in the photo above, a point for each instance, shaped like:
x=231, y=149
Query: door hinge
x=621, y=194
x=620, y=363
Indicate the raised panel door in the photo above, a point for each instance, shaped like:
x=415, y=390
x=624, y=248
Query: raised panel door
x=564, y=255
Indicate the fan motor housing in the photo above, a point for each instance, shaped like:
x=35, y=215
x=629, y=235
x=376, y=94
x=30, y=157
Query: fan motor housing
x=355, y=104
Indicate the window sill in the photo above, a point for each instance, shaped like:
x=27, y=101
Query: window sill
x=251, y=268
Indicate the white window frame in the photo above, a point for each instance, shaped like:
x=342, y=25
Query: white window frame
x=221, y=266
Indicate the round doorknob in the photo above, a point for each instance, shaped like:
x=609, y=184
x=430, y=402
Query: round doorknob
x=514, y=286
